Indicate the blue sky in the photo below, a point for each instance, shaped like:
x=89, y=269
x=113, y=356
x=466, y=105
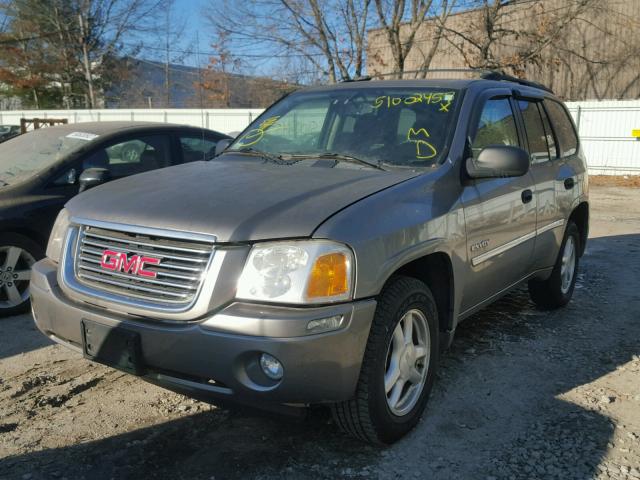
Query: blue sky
x=192, y=10
x=195, y=23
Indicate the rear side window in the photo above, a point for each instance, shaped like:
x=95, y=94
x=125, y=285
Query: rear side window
x=497, y=126
x=541, y=142
x=548, y=131
x=563, y=127
x=134, y=155
x=196, y=148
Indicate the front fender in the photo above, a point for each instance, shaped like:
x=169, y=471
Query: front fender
x=392, y=228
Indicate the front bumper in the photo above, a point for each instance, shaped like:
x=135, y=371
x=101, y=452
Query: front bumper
x=216, y=357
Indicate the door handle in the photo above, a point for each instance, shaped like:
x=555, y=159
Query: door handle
x=569, y=183
x=527, y=196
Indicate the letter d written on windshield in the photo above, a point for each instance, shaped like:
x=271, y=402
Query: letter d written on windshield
x=424, y=149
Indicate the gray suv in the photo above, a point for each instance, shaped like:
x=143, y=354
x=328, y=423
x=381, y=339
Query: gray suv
x=328, y=254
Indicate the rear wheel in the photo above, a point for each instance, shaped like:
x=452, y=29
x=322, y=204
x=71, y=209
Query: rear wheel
x=17, y=256
x=398, y=367
x=556, y=291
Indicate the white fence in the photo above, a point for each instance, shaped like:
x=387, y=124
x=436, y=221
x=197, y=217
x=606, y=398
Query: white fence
x=222, y=120
x=604, y=127
x=605, y=131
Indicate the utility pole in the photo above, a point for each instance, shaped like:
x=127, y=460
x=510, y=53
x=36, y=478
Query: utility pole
x=167, y=72
x=85, y=60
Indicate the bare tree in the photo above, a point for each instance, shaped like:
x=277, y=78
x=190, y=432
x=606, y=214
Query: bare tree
x=217, y=77
x=401, y=21
x=330, y=35
x=81, y=37
x=510, y=35
x=580, y=48
x=170, y=32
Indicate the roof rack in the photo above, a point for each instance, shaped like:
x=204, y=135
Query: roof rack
x=493, y=75
x=364, y=78
x=484, y=73
x=477, y=71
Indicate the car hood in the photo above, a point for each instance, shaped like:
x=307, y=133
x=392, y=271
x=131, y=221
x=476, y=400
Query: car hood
x=235, y=200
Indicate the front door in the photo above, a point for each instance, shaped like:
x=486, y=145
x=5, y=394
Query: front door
x=500, y=213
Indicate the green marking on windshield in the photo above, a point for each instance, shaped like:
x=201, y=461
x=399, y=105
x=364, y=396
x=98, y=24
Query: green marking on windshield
x=424, y=149
x=443, y=99
x=254, y=135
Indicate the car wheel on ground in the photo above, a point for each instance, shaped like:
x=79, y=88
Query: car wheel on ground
x=399, y=365
x=17, y=255
x=556, y=291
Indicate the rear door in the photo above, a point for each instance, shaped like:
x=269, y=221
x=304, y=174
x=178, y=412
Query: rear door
x=500, y=213
x=131, y=155
x=553, y=180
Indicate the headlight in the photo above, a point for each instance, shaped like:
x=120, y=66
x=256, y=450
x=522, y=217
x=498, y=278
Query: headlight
x=306, y=271
x=58, y=234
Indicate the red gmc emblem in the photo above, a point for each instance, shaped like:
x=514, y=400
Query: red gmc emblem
x=135, y=264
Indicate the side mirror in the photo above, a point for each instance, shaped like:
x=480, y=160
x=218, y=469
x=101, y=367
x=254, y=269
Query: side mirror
x=498, y=161
x=222, y=145
x=93, y=177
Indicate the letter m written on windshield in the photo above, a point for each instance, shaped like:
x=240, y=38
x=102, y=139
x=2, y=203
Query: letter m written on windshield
x=424, y=149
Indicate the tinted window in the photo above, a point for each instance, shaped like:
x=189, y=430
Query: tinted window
x=196, y=148
x=497, y=125
x=567, y=137
x=135, y=155
x=539, y=139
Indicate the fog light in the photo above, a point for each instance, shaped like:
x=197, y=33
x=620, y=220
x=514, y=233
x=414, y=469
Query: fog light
x=271, y=367
x=325, y=324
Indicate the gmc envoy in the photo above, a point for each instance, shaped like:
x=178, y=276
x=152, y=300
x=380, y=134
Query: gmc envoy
x=327, y=255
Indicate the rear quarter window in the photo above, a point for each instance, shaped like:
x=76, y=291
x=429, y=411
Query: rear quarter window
x=563, y=127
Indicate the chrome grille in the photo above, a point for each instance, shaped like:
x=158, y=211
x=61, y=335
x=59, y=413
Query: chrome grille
x=178, y=276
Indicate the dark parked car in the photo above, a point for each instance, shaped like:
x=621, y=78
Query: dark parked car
x=41, y=170
x=9, y=131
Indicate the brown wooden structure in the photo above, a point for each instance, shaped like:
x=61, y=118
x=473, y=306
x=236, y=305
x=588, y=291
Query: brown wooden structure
x=36, y=123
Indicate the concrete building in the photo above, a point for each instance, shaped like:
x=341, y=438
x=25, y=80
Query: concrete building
x=594, y=56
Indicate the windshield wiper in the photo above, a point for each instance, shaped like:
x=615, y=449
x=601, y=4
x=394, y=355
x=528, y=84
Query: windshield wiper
x=259, y=153
x=339, y=157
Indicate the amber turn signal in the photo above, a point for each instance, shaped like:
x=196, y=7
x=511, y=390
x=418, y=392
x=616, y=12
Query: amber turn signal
x=329, y=276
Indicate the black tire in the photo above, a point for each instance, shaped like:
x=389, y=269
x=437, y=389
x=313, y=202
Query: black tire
x=368, y=416
x=549, y=294
x=33, y=249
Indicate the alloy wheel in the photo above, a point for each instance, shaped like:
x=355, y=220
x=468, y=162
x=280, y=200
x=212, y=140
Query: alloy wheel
x=15, y=273
x=568, y=265
x=407, y=362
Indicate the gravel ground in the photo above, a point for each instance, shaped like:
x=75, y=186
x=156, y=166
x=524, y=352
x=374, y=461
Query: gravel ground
x=522, y=394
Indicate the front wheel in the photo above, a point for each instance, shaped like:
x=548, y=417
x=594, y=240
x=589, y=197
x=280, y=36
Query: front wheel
x=556, y=291
x=398, y=368
x=17, y=256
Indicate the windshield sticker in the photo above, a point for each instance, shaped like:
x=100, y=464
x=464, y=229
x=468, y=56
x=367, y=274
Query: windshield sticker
x=443, y=99
x=83, y=136
x=254, y=135
x=424, y=149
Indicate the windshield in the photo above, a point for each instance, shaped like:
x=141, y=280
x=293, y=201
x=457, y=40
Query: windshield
x=379, y=126
x=24, y=156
